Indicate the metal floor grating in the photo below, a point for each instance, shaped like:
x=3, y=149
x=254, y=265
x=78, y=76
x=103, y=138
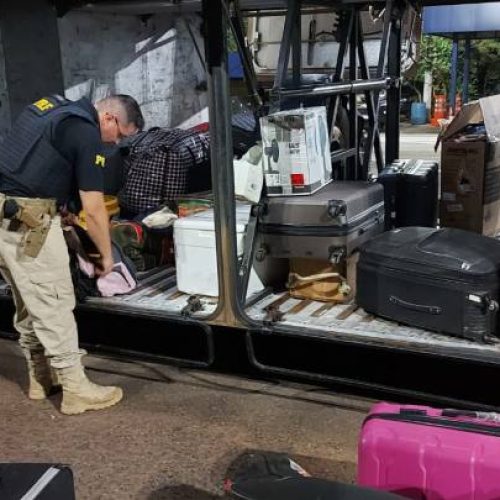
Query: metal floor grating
x=332, y=320
x=156, y=292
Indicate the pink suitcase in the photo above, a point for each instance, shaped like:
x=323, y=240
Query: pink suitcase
x=424, y=453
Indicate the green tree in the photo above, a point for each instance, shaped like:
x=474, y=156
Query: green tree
x=232, y=46
x=435, y=57
x=485, y=68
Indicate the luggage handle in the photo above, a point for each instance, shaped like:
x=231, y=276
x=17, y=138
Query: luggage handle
x=316, y=277
x=435, y=310
x=452, y=413
x=479, y=415
x=297, y=278
x=458, y=425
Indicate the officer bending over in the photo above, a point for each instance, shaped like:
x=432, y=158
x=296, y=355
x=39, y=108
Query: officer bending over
x=53, y=159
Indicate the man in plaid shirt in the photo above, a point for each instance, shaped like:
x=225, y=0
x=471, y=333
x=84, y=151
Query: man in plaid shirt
x=160, y=167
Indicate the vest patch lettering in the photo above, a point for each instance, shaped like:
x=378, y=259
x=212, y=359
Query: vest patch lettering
x=44, y=105
x=100, y=161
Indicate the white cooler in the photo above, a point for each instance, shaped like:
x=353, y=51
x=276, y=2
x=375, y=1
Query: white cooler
x=195, y=253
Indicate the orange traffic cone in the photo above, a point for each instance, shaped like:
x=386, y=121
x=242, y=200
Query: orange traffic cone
x=439, y=109
x=458, y=103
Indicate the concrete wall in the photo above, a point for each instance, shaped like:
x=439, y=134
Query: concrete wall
x=152, y=59
x=31, y=56
x=4, y=97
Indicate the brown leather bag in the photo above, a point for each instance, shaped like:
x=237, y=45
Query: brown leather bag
x=318, y=280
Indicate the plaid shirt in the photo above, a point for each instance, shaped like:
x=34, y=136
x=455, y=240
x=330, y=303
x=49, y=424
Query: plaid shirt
x=158, y=165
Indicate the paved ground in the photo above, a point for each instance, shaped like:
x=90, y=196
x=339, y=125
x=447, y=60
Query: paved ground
x=177, y=431
x=418, y=142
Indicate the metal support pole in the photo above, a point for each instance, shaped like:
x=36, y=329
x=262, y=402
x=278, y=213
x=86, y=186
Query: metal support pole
x=297, y=47
x=346, y=28
x=195, y=44
x=370, y=108
x=373, y=139
x=341, y=88
x=221, y=153
x=465, y=90
x=394, y=93
x=236, y=22
x=454, y=75
x=352, y=163
x=284, y=55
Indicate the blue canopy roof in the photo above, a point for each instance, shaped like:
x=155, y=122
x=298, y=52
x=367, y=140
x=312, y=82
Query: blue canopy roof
x=478, y=20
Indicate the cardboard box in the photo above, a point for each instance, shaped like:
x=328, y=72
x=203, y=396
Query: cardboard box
x=296, y=146
x=470, y=170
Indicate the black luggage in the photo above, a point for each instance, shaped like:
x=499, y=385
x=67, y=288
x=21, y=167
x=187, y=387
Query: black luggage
x=274, y=476
x=329, y=225
x=36, y=481
x=411, y=193
x=292, y=488
x=445, y=280
x=246, y=132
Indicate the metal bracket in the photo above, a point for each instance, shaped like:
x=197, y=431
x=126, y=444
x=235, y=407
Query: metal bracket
x=248, y=253
x=273, y=314
x=336, y=208
x=261, y=253
x=337, y=254
x=194, y=304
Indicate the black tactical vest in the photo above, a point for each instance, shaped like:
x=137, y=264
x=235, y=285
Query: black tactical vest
x=27, y=155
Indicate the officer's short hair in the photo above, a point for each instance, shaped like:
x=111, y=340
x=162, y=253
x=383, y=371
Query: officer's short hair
x=132, y=109
x=128, y=104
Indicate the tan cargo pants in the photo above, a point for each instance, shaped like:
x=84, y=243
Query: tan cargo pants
x=43, y=294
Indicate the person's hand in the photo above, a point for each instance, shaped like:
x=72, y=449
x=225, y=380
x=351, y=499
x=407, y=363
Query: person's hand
x=68, y=218
x=105, y=266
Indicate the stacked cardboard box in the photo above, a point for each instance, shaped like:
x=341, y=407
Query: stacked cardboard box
x=296, y=146
x=470, y=169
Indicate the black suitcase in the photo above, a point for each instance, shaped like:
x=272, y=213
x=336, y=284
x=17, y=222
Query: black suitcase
x=444, y=280
x=36, y=481
x=293, y=488
x=329, y=224
x=411, y=193
x=274, y=476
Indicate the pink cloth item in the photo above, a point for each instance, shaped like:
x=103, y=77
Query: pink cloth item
x=86, y=267
x=117, y=282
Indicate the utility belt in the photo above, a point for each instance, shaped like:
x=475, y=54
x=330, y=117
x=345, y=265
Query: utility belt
x=30, y=216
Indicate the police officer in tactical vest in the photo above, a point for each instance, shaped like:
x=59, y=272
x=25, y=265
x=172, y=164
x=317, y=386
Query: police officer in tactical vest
x=51, y=159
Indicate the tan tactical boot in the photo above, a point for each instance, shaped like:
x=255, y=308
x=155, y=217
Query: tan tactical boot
x=80, y=394
x=42, y=379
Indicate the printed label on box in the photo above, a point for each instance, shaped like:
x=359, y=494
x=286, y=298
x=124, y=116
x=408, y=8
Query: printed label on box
x=273, y=179
x=457, y=207
x=449, y=197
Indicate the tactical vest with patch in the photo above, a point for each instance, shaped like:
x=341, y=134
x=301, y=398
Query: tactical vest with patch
x=28, y=157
